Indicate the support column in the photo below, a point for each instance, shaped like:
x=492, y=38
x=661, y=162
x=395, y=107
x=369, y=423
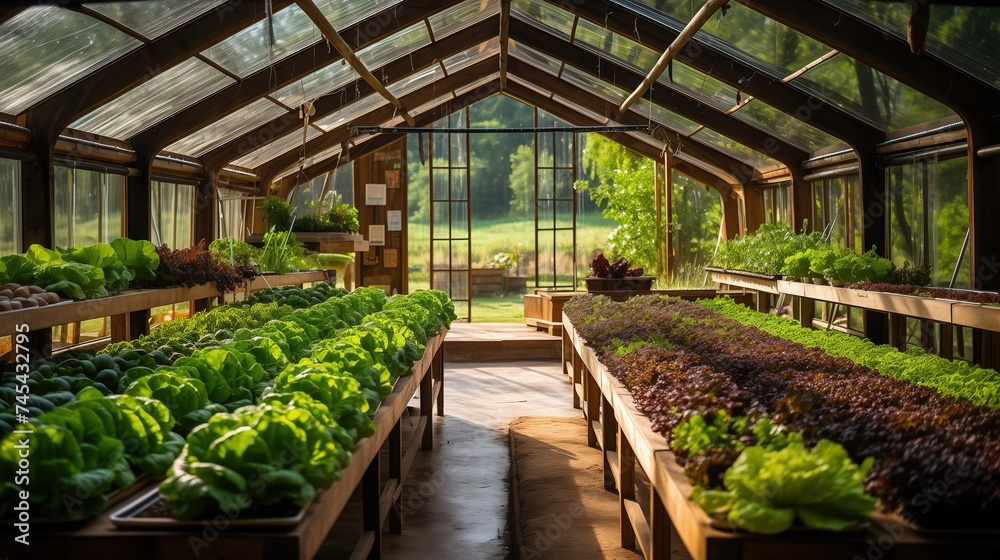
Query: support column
x=984, y=236
x=668, y=188
x=875, y=208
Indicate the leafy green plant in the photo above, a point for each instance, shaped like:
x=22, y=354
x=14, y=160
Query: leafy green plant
x=19, y=269
x=70, y=279
x=277, y=213
x=796, y=266
x=139, y=257
x=234, y=251
x=281, y=251
x=341, y=217
x=820, y=260
x=101, y=255
x=767, y=491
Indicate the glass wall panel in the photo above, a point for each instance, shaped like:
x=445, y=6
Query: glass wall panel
x=544, y=16
x=929, y=216
x=461, y=16
x=172, y=212
x=10, y=198
x=251, y=49
x=695, y=221
x=87, y=207
x=837, y=211
x=778, y=205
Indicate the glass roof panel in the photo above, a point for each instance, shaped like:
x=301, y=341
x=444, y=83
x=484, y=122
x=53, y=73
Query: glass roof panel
x=45, y=48
x=350, y=112
x=772, y=47
x=580, y=109
x=784, y=126
x=227, y=128
x=431, y=104
x=700, y=86
x=543, y=15
x=155, y=99
x=734, y=148
x=531, y=56
x=345, y=13
x=582, y=79
x=394, y=46
x=249, y=50
x=614, y=46
x=665, y=117
x=529, y=85
x=270, y=151
x=477, y=84
x=869, y=94
x=320, y=82
x=415, y=81
x=963, y=36
x=154, y=18
x=471, y=56
x=461, y=16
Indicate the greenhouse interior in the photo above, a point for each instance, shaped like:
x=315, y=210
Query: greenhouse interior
x=706, y=279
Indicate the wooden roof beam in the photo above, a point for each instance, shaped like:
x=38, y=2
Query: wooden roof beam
x=292, y=68
x=344, y=49
x=69, y=103
x=419, y=59
x=723, y=184
x=504, y=34
x=692, y=27
x=770, y=144
x=638, y=27
x=384, y=114
x=590, y=101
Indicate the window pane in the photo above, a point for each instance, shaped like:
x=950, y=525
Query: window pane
x=461, y=16
x=665, y=117
x=10, y=197
x=784, y=126
x=154, y=18
x=700, y=86
x=964, y=36
x=350, y=112
x=471, y=56
x=227, y=128
x=395, y=46
x=595, y=85
x=156, y=99
x=543, y=15
x=46, y=48
x=250, y=49
x=270, y=151
x=614, y=46
x=531, y=56
x=870, y=94
x=734, y=148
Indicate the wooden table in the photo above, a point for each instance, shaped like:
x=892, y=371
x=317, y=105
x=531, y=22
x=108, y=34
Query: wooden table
x=628, y=441
x=381, y=499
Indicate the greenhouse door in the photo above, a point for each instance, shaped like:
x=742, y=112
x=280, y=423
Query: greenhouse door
x=555, y=206
x=451, y=228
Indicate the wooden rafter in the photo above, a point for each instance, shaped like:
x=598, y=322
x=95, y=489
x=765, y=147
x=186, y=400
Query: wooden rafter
x=699, y=19
x=417, y=61
x=504, y=33
x=341, y=46
x=770, y=144
x=292, y=68
x=638, y=27
x=58, y=111
x=381, y=116
x=590, y=101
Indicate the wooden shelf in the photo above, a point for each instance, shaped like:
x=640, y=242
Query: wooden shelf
x=329, y=242
x=133, y=300
x=934, y=309
x=99, y=538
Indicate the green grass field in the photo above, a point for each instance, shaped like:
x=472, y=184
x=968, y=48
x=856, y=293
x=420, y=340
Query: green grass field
x=492, y=236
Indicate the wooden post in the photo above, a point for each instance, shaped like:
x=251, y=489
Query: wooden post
x=609, y=433
x=626, y=489
x=370, y=505
x=395, y=444
x=668, y=188
x=427, y=409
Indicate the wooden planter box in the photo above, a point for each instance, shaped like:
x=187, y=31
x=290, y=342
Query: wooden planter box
x=633, y=283
x=487, y=282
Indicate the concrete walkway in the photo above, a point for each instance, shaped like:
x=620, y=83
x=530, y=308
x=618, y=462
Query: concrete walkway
x=456, y=497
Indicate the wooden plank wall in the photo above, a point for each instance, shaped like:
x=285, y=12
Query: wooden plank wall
x=372, y=267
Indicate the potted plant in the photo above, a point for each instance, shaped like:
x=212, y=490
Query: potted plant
x=510, y=263
x=819, y=261
x=608, y=276
x=796, y=267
